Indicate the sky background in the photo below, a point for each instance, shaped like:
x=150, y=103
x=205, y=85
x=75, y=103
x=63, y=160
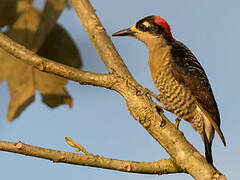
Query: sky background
x=99, y=119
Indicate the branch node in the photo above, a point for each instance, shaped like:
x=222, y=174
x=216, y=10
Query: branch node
x=128, y=168
x=41, y=66
x=62, y=158
x=19, y=145
x=146, y=124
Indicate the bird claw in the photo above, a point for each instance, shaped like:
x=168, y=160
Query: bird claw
x=178, y=122
x=159, y=107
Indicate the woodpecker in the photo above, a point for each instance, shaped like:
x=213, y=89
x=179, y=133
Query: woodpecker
x=180, y=79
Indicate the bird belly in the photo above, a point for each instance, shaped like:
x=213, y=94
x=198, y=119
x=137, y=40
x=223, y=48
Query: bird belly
x=174, y=95
x=182, y=103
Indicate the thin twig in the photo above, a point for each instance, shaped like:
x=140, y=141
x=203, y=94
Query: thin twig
x=78, y=147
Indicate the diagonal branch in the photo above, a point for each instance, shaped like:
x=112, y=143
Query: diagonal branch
x=99, y=38
x=46, y=65
x=156, y=167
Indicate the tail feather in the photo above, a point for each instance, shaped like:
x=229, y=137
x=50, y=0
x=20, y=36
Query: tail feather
x=207, y=132
x=214, y=124
x=208, y=149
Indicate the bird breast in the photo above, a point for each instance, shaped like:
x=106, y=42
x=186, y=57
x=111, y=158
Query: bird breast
x=174, y=95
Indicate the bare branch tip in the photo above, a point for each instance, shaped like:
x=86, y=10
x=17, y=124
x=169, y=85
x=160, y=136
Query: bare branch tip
x=79, y=148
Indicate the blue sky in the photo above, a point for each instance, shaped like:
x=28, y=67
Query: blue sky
x=99, y=119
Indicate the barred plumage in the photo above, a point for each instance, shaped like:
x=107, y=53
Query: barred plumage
x=180, y=79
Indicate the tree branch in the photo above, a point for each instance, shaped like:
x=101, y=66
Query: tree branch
x=157, y=167
x=45, y=65
x=99, y=38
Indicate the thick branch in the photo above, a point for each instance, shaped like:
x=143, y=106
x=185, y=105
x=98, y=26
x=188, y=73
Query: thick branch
x=157, y=167
x=43, y=64
x=99, y=38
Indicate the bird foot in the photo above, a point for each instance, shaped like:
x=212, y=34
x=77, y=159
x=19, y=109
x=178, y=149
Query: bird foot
x=178, y=122
x=157, y=97
x=159, y=107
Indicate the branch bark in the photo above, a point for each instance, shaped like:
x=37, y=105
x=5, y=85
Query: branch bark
x=157, y=167
x=99, y=38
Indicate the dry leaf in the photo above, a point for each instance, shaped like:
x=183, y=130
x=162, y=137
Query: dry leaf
x=50, y=14
x=60, y=47
x=11, y=9
x=22, y=79
x=8, y=13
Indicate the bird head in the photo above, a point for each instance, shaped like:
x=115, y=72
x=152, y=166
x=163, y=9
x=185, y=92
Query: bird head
x=148, y=29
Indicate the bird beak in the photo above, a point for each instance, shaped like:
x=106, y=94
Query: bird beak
x=125, y=32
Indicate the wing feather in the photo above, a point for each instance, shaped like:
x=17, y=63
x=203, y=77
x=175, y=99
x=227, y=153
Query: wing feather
x=188, y=71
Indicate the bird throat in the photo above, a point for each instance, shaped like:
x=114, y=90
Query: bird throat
x=162, y=54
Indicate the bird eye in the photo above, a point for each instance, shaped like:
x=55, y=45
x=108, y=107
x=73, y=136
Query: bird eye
x=142, y=27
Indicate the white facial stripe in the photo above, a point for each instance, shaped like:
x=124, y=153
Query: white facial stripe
x=147, y=24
